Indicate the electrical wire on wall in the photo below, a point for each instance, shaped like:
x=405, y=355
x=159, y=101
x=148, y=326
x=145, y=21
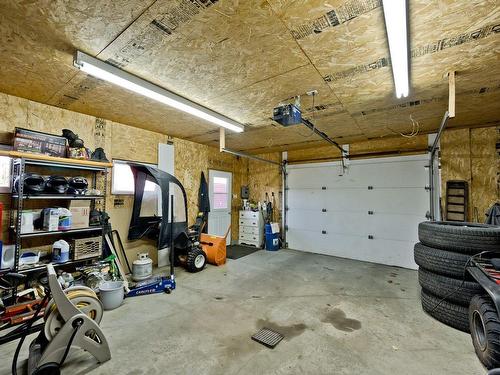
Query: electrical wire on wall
x=415, y=129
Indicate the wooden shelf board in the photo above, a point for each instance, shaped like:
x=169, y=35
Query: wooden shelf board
x=28, y=155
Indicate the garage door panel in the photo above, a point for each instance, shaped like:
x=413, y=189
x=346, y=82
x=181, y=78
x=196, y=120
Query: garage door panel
x=350, y=223
x=309, y=199
x=394, y=226
x=328, y=244
x=344, y=200
x=390, y=252
x=389, y=200
x=310, y=177
x=310, y=241
x=305, y=219
x=393, y=253
x=386, y=174
x=413, y=201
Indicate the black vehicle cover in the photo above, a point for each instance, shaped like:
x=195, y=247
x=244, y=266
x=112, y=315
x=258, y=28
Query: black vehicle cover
x=157, y=226
x=203, y=201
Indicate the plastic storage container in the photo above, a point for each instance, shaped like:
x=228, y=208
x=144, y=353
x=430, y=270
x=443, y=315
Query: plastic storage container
x=60, y=251
x=272, y=239
x=111, y=294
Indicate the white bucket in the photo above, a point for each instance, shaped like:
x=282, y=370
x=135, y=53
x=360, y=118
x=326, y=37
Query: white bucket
x=111, y=294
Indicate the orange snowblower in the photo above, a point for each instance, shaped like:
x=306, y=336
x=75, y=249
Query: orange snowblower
x=214, y=247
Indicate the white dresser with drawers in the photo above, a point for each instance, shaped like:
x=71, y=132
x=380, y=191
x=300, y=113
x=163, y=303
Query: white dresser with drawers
x=251, y=228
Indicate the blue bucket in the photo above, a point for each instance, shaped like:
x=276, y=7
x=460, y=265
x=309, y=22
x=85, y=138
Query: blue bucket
x=272, y=239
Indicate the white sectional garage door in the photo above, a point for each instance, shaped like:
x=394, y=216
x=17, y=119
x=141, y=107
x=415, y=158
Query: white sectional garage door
x=370, y=213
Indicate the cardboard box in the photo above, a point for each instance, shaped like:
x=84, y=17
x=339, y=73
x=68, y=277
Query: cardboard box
x=39, y=143
x=80, y=214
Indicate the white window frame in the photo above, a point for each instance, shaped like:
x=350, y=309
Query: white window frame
x=114, y=190
x=6, y=166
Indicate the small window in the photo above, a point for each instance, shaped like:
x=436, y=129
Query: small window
x=122, y=180
x=122, y=183
x=5, y=174
x=220, y=192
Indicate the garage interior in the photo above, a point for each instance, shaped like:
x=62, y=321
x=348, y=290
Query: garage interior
x=269, y=164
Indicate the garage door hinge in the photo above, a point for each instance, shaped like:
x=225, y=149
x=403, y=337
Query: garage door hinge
x=286, y=227
x=370, y=212
x=370, y=237
x=323, y=232
x=323, y=187
x=370, y=187
x=427, y=187
x=287, y=208
x=323, y=210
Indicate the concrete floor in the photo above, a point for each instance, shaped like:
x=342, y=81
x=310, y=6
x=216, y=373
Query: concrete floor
x=339, y=317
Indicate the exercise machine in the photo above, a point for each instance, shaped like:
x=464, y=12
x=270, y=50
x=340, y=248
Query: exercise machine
x=72, y=319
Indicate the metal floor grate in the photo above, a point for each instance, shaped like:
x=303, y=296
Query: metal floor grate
x=268, y=337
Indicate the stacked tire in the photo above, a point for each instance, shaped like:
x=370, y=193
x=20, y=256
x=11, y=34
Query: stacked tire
x=449, y=293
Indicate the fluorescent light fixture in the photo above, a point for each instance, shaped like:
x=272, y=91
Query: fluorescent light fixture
x=395, y=14
x=107, y=72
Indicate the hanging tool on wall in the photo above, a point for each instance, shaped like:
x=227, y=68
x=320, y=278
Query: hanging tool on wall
x=273, y=211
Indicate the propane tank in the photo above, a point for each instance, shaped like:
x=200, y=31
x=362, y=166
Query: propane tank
x=142, y=267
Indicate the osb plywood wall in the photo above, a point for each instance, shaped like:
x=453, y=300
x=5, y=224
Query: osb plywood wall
x=471, y=155
x=192, y=158
x=266, y=178
x=124, y=142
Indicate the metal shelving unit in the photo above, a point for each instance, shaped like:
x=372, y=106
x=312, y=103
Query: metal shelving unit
x=19, y=167
x=59, y=196
x=41, y=267
x=40, y=233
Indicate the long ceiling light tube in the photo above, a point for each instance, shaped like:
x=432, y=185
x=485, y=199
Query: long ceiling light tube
x=112, y=74
x=396, y=21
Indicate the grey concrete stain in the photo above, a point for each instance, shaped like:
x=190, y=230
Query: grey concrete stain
x=238, y=346
x=339, y=320
x=288, y=331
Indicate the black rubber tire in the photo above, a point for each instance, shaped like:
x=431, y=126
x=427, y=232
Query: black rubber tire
x=191, y=260
x=451, y=314
x=485, y=331
x=454, y=290
x=441, y=261
x=466, y=238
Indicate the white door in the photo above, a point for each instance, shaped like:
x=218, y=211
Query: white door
x=219, y=192
x=369, y=213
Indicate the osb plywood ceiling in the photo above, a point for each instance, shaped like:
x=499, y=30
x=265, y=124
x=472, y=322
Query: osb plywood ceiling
x=242, y=58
